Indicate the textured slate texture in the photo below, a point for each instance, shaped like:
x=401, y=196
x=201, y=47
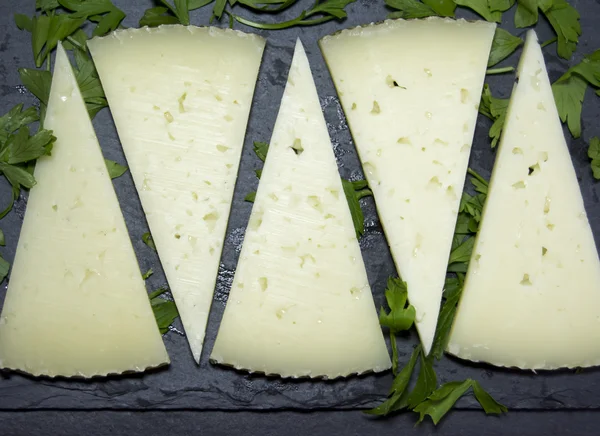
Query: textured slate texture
x=184, y=385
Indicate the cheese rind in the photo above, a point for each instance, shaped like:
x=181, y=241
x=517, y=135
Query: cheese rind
x=532, y=294
x=410, y=91
x=300, y=303
x=76, y=302
x=180, y=97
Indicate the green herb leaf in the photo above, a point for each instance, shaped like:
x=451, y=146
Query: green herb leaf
x=147, y=274
x=501, y=5
x=401, y=315
x=564, y=18
x=261, y=149
x=442, y=400
x=462, y=253
x=2, y=240
x=157, y=16
x=594, y=155
x=4, y=267
x=16, y=118
x=251, y=197
x=17, y=175
x=527, y=13
x=444, y=8
x=410, y=9
x=495, y=109
x=452, y=293
x=165, y=311
x=37, y=82
x=353, y=197
x=426, y=382
x=322, y=10
x=397, y=399
x=46, y=5
x=23, y=22
x=482, y=7
x=503, y=45
x=569, y=90
x=147, y=239
x=490, y=406
x=114, y=169
x=21, y=147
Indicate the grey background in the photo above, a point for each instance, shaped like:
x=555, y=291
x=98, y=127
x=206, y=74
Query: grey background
x=185, y=387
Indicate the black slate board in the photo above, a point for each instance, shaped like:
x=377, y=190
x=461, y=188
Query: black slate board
x=186, y=386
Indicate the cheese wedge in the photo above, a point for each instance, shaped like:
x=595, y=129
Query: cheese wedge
x=180, y=97
x=300, y=303
x=76, y=302
x=410, y=91
x=532, y=293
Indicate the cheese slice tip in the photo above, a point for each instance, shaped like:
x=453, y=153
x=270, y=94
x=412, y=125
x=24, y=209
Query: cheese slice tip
x=180, y=98
x=410, y=91
x=532, y=293
x=300, y=303
x=76, y=302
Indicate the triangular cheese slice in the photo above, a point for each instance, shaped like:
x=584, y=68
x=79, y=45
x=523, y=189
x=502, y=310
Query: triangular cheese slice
x=76, y=302
x=410, y=91
x=532, y=293
x=300, y=302
x=180, y=97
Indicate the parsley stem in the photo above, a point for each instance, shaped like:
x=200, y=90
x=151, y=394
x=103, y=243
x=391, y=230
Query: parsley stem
x=550, y=41
x=75, y=43
x=500, y=70
x=477, y=176
x=363, y=193
x=298, y=21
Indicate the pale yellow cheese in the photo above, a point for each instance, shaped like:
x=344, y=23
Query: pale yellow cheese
x=532, y=293
x=76, y=302
x=180, y=97
x=410, y=91
x=300, y=303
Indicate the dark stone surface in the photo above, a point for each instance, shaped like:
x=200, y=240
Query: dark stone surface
x=186, y=386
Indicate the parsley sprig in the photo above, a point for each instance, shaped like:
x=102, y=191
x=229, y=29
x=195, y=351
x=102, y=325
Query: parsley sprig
x=563, y=17
x=427, y=398
x=178, y=12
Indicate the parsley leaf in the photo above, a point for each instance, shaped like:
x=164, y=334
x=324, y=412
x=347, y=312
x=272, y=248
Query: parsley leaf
x=147, y=239
x=176, y=13
x=398, y=395
x=16, y=118
x=495, y=109
x=21, y=147
x=354, y=191
x=452, y=293
x=250, y=197
x=563, y=18
x=503, y=45
x=401, y=315
x=594, y=155
x=114, y=169
x=107, y=15
x=147, y=274
x=444, y=8
x=442, y=400
x=408, y=9
x=501, y=5
x=482, y=7
x=4, y=267
x=426, y=382
x=165, y=311
x=569, y=90
x=490, y=406
x=261, y=149
x=321, y=12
